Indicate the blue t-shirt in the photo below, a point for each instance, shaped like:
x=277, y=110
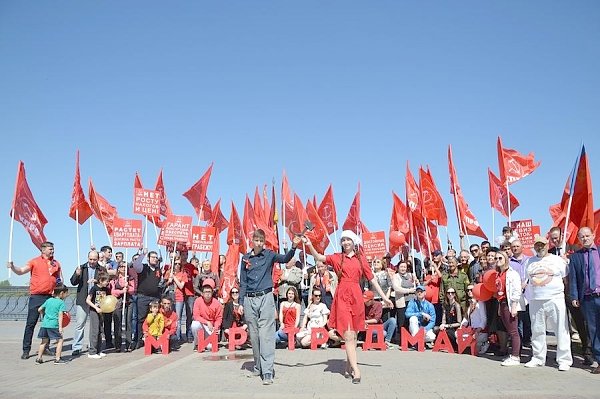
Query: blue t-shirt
x=52, y=308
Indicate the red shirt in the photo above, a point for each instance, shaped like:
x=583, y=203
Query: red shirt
x=501, y=285
x=179, y=293
x=170, y=322
x=191, y=271
x=44, y=273
x=205, y=312
x=432, y=290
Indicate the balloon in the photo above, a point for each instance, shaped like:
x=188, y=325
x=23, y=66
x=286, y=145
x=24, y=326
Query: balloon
x=397, y=238
x=481, y=293
x=66, y=319
x=489, y=280
x=108, y=304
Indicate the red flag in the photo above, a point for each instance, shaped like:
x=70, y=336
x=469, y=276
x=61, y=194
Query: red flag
x=137, y=182
x=327, y=211
x=267, y=208
x=229, y=277
x=248, y=220
x=165, y=208
x=319, y=236
x=214, y=260
x=102, y=209
x=353, y=221
x=399, y=222
x=218, y=220
x=579, y=184
x=287, y=201
x=235, y=234
x=197, y=193
x=79, y=206
x=297, y=218
x=513, y=165
x=432, y=203
x=499, y=196
x=259, y=212
x=413, y=194
x=26, y=211
x=467, y=221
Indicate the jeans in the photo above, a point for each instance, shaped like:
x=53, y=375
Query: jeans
x=525, y=325
x=81, y=317
x=134, y=324
x=511, y=324
x=280, y=336
x=260, y=317
x=189, y=316
x=118, y=320
x=389, y=327
x=96, y=326
x=35, y=301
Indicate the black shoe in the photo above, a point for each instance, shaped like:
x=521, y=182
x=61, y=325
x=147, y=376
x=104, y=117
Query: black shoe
x=76, y=352
x=588, y=360
x=39, y=360
x=60, y=361
x=25, y=355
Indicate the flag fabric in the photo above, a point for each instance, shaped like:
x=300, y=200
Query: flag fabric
x=137, y=182
x=413, y=194
x=229, y=277
x=26, y=211
x=80, y=209
x=297, y=218
x=197, y=193
x=248, y=219
x=353, y=221
x=579, y=186
x=432, y=204
x=218, y=220
x=235, y=234
x=327, y=211
x=259, y=212
x=102, y=209
x=287, y=201
x=513, y=165
x=499, y=196
x=467, y=221
x=165, y=207
x=399, y=222
x=318, y=236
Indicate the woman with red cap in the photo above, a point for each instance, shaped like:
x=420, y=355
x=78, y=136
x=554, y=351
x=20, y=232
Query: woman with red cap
x=348, y=310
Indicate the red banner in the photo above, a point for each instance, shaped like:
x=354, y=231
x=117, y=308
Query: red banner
x=203, y=238
x=127, y=233
x=177, y=229
x=146, y=202
x=374, y=244
x=25, y=209
x=526, y=232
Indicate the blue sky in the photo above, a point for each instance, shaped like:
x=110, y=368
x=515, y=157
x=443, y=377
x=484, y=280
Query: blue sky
x=333, y=92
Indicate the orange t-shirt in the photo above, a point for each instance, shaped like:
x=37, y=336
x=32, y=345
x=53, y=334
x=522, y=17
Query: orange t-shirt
x=44, y=273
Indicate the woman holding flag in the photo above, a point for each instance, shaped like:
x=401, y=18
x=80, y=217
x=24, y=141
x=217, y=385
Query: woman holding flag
x=348, y=310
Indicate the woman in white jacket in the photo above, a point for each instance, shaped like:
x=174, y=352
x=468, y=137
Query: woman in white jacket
x=509, y=292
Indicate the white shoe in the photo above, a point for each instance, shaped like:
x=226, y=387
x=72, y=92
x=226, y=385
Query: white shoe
x=563, y=367
x=533, y=363
x=96, y=356
x=511, y=361
x=102, y=354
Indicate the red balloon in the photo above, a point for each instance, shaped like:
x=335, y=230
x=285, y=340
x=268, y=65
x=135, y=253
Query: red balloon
x=397, y=238
x=481, y=293
x=66, y=319
x=489, y=280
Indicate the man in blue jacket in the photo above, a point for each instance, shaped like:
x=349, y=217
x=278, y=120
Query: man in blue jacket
x=421, y=313
x=584, y=286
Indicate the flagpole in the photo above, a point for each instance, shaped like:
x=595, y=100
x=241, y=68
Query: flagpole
x=91, y=233
x=200, y=213
x=427, y=240
x=77, y=234
x=335, y=243
x=494, y=221
x=146, y=233
x=10, y=239
x=108, y=235
x=571, y=191
x=508, y=196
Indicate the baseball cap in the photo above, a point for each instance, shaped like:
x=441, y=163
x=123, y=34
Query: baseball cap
x=209, y=282
x=437, y=252
x=540, y=239
x=368, y=295
x=419, y=287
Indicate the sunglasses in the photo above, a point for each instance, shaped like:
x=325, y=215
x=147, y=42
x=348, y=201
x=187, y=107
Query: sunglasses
x=235, y=292
x=317, y=296
x=451, y=292
x=499, y=258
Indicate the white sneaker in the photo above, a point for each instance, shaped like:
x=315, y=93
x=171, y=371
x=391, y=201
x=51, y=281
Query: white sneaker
x=533, y=363
x=563, y=367
x=96, y=356
x=511, y=361
x=102, y=354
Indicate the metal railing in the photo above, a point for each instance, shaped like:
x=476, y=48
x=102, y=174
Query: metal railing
x=14, y=302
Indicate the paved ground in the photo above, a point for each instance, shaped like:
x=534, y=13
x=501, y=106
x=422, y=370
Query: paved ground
x=300, y=374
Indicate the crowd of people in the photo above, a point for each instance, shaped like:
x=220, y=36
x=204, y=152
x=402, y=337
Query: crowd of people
x=557, y=289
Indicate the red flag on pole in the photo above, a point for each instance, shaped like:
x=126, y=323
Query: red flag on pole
x=229, y=277
x=499, y=196
x=318, y=236
x=26, y=211
x=433, y=205
x=287, y=201
x=197, y=193
x=165, y=207
x=102, y=209
x=327, y=211
x=513, y=165
x=353, y=221
x=248, y=219
x=413, y=194
x=399, y=226
x=218, y=220
x=235, y=234
x=259, y=212
x=78, y=201
x=467, y=221
x=137, y=182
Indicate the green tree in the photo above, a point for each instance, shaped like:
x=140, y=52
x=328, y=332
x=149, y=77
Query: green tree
x=4, y=283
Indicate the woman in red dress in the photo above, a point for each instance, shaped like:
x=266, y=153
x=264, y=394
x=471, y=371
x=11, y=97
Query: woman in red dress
x=348, y=309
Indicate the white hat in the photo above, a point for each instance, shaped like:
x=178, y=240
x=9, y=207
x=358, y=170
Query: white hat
x=351, y=235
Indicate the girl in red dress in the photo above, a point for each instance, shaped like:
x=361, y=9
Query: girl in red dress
x=348, y=309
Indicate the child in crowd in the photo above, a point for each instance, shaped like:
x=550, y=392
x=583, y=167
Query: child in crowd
x=52, y=323
x=94, y=299
x=155, y=321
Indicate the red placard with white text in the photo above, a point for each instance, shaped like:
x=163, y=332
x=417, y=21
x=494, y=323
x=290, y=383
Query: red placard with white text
x=146, y=202
x=526, y=231
x=127, y=233
x=177, y=229
x=203, y=238
x=374, y=244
